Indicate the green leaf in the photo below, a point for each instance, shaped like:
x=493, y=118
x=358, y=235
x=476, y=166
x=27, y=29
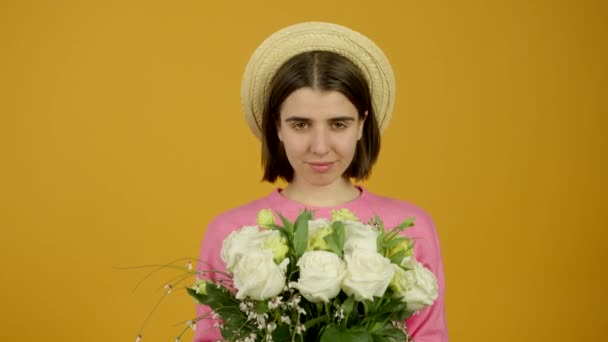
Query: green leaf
x=314, y=321
x=261, y=307
x=281, y=333
x=335, y=240
x=395, y=307
x=407, y=223
x=340, y=232
x=334, y=333
x=388, y=333
x=395, y=310
x=398, y=257
x=402, y=315
x=286, y=224
x=234, y=326
x=282, y=230
x=215, y=297
x=300, y=236
x=348, y=305
x=224, y=304
x=380, y=241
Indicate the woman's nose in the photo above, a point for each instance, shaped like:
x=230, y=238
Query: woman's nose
x=320, y=142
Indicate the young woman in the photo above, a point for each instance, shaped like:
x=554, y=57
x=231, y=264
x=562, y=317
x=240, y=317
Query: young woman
x=318, y=95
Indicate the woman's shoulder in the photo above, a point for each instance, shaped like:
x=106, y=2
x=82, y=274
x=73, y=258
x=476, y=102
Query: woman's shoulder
x=244, y=214
x=390, y=206
x=392, y=211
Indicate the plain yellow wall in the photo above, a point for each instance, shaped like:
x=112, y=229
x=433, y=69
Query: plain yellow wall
x=121, y=136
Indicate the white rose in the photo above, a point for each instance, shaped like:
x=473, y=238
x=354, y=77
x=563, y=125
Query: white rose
x=240, y=242
x=408, y=262
x=368, y=274
x=321, y=274
x=360, y=237
x=416, y=287
x=258, y=277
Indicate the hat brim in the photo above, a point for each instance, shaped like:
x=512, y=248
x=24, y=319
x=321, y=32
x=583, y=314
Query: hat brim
x=316, y=36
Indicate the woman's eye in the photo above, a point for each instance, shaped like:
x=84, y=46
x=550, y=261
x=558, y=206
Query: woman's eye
x=299, y=125
x=339, y=125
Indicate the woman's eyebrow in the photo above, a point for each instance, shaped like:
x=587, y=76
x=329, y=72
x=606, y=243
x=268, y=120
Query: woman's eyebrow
x=338, y=118
x=342, y=118
x=296, y=118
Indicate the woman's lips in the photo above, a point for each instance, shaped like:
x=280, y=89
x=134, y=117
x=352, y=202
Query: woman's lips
x=321, y=167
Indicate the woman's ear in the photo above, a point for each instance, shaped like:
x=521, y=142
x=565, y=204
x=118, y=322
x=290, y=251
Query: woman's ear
x=361, y=124
x=278, y=125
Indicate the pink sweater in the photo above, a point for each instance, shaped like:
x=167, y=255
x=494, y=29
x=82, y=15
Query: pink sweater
x=428, y=325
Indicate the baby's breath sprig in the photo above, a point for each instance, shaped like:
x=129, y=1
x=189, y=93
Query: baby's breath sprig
x=184, y=265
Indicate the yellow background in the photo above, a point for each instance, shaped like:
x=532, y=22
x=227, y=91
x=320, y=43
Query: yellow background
x=121, y=136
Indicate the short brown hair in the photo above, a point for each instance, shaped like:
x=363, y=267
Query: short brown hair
x=323, y=70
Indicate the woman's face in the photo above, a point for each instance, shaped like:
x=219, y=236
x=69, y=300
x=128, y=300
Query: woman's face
x=319, y=130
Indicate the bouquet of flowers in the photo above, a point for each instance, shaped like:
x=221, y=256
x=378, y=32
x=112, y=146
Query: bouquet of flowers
x=316, y=280
x=313, y=280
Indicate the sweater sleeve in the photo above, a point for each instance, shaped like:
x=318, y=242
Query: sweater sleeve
x=429, y=324
x=209, y=259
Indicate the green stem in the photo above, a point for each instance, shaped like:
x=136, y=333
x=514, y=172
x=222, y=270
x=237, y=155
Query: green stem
x=314, y=321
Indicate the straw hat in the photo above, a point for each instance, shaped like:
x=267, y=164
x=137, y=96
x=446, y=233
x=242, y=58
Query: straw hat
x=311, y=36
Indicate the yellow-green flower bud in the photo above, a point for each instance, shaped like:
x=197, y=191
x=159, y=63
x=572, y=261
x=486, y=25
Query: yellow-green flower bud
x=277, y=244
x=265, y=218
x=316, y=241
x=200, y=286
x=343, y=215
x=405, y=245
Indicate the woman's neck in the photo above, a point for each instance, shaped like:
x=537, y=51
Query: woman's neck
x=337, y=193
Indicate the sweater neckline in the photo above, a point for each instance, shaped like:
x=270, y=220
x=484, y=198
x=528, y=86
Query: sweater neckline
x=278, y=198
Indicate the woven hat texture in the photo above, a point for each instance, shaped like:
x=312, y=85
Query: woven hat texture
x=313, y=36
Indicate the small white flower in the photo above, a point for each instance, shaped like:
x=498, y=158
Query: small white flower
x=275, y=302
x=271, y=326
x=340, y=314
x=169, y=288
x=300, y=328
x=189, y=266
x=177, y=339
x=192, y=325
x=138, y=338
x=286, y=320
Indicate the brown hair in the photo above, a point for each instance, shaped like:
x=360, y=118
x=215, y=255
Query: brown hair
x=325, y=71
